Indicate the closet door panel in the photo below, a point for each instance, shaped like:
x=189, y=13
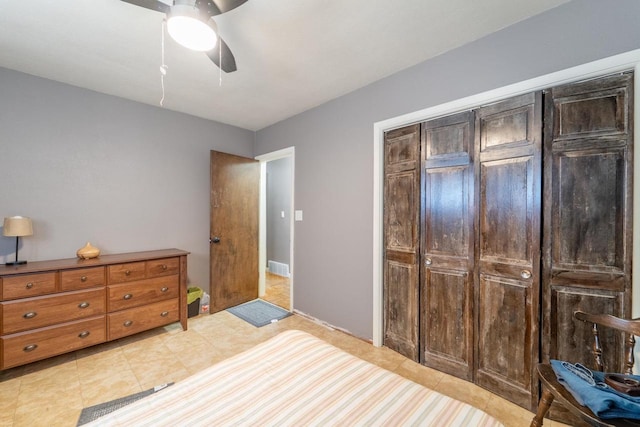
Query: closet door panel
x=506, y=213
x=505, y=313
x=401, y=240
x=448, y=140
x=447, y=230
x=589, y=218
x=588, y=176
x=506, y=128
x=401, y=310
x=402, y=229
x=588, y=211
x=447, y=254
x=509, y=203
x=592, y=109
x=447, y=310
x=577, y=342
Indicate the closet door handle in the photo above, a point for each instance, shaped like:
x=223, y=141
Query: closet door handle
x=525, y=274
x=428, y=261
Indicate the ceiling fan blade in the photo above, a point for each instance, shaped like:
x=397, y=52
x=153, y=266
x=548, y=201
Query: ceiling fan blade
x=227, y=5
x=156, y=5
x=228, y=61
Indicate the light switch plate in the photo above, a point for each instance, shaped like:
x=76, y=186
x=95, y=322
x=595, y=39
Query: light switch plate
x=298, y=216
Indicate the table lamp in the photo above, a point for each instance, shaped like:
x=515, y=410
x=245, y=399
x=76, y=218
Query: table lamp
x=17, y=226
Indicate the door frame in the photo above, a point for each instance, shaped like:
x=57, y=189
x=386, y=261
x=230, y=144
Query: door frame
x=617, y=63
x=288, y=152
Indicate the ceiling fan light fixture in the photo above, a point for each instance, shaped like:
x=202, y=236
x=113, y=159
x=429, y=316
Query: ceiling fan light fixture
x=186, y=27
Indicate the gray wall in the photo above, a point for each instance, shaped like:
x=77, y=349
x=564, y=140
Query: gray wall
x=126, y=176
x=334, y=142
x=278, y=201
x=91, y=167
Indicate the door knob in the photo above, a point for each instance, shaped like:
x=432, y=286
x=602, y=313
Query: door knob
x=525, y=274
x=215, y=239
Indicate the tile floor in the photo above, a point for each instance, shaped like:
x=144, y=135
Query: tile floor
x=277, y=290
x=54, y=391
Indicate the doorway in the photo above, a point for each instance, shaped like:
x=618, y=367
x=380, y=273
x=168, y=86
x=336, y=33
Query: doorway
x=276, y=227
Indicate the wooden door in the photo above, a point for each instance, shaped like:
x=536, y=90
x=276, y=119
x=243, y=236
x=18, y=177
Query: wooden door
x=235, y=186
x=448, y=245
x=508, y=146
x=401, y=244
x=588, y=234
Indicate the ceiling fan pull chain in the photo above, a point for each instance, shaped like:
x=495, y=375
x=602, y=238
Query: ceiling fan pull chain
x=163, y=66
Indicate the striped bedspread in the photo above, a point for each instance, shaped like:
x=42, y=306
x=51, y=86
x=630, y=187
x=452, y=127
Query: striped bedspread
x=296, y=379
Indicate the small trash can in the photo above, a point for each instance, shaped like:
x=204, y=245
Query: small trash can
x=193, y=300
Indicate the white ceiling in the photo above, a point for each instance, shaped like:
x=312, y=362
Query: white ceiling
x=292, y=55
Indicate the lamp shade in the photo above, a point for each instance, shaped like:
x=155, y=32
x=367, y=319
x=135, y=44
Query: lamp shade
x=185, y=26
x=17, y=226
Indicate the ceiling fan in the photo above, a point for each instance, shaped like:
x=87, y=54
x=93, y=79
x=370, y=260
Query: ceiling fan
x=190, y=23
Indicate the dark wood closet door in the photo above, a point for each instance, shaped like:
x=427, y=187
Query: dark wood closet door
x=401, y=244
x=448, y=240
x=588, y=234
x=508, y=144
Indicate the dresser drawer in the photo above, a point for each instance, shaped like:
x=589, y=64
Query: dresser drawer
x=28, y=285
x=26, y=347
x=82, y=278
x=129, y=295
x=127, y=272
x=42, y=311
x=134, y=320
x=163, y=267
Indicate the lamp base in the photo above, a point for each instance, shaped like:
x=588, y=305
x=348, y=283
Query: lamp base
x=16, y=263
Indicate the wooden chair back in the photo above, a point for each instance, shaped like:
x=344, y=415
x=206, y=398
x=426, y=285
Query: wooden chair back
x=552, y=389
x=628, y=327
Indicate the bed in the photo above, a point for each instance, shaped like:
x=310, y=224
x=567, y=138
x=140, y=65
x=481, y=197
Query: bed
x=296, y=379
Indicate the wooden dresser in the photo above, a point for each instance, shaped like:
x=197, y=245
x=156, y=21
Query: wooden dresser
x=52, y=307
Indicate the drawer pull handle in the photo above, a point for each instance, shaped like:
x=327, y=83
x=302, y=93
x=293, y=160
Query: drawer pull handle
x=128, y=323
x=29, y=285
x=164, y=289
x=30, y=315
x=30, y=347
x=84, y=334
x=83, y=304
x=127, y=273
x=164, y=267
x=164, y=314
x=83, y=279
x=525, y=274
x=127, y=296
x=428, y=261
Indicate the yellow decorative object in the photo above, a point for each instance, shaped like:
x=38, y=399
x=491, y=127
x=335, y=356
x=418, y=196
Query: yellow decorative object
x=88, y=251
